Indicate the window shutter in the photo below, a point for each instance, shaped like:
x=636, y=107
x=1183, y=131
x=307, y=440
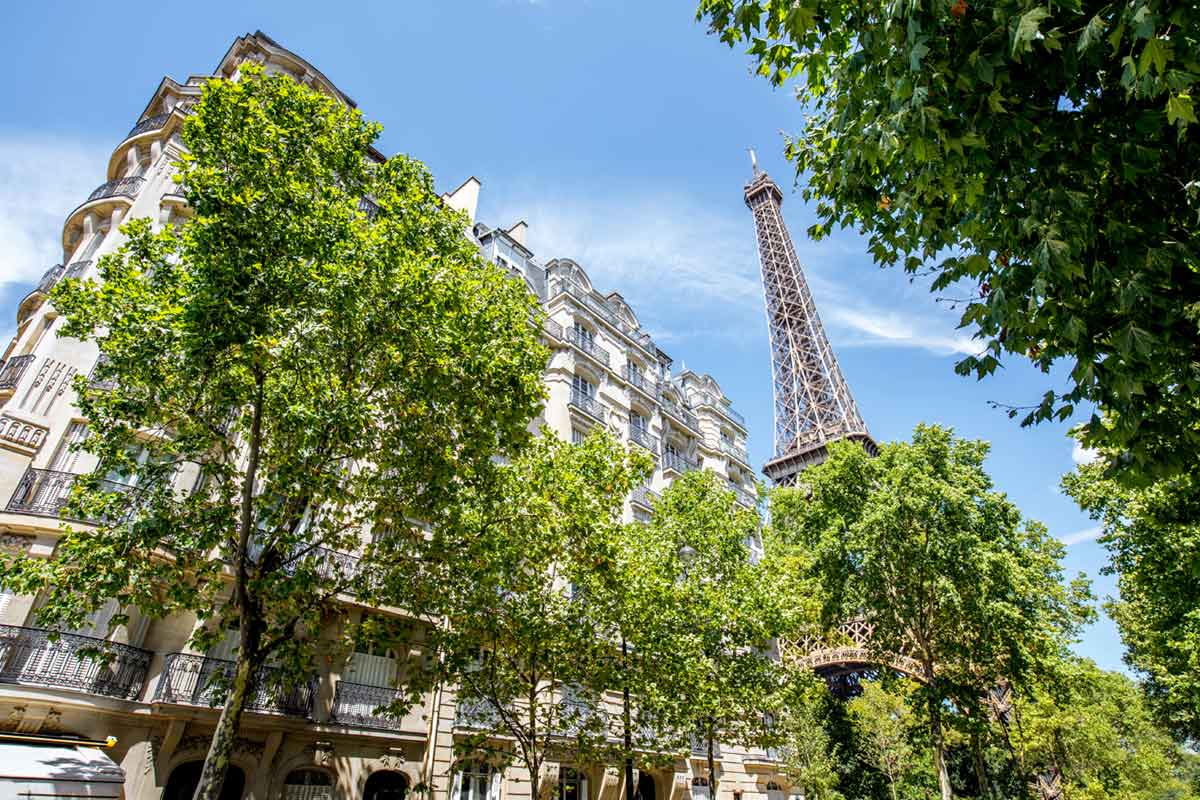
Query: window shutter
x=494, y=789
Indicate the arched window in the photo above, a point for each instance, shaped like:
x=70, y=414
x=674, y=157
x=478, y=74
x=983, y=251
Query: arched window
x=645, y=787
x=386, y=785
x=774, y=791
x=308, y=784
x=186, y=777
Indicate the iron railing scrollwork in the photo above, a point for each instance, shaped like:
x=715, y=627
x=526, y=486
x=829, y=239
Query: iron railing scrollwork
x=587, y=404
x=149, y=124
x=76, y=268
x=49, y=278
x=121, y=187
x=643, y=496
x=355, y=705
x=639, y=380
x=643, y=437
x=194, y=680
x=368, y=207
x=477, y=714
x=72, y=661
x=46, y=491
x=588, y=345
x=12, y=370
x=678, y=462
x=680, y=413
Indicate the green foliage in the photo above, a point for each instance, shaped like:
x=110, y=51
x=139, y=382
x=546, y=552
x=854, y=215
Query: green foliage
x=521, y=643
x=918, y=543
x=1039, y=159
x=299, y=371
x=1153, y=537
x=803, y=747
x=717, y=613
x=885, y=727
x=1100, y=733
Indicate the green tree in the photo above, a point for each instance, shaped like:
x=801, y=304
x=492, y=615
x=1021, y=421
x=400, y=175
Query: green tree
x=520, y=644
x=722, y=615
x=1039, y=160
x=315, y=364
x=918, y=543
x=1099, y=732
x=806, y=753
x=1153, y=537
x=883, y=724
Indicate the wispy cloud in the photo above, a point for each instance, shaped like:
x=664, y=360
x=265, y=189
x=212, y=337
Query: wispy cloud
x=666, y=255
x=1083, y=455
x=41, y=180
x=1086, y=535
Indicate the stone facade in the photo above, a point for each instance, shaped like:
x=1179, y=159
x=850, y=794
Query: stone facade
x=320, y=740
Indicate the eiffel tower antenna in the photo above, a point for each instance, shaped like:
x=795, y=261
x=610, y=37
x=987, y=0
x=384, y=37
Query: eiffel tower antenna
x=813, y=404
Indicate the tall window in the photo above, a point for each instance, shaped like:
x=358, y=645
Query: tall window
x=639, y=422
x=585, y=337
x=308, y=784
x=583, y=386
x=66, y=454
x=576, y=436
x=478, y=781
x=700, y=788
x=571, y=784
x=774, y=791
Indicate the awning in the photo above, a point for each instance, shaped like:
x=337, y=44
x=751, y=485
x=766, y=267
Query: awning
x=32, y=770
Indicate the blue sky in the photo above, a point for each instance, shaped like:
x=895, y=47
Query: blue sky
x=617, y=130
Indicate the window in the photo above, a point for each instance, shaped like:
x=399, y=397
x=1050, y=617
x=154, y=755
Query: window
x=639, y=422
x=585, y=337
x=774, y=791
x=699, y=788
x=581, y=385
x=572, y=785
x=308, y=784
x=576, y=436
x=477, y=781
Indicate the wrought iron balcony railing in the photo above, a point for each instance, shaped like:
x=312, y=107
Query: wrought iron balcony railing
x=735, y=450
x=368, y=207
x=678, y=462
x=121, y=187
x=192, y=680
x=38, y=657
x=45, y=491
x=639, y=380
x=643, y=496
x=354, y=705
x=49, y=278
x=700, y=746
x=96, y=380
x=553, y=329
x=681, y=414
x=644, y=438
x=477, y=714
x=149, y=124
x=588, y=404
x=707, y=399
x=588, y=345
x=748, y=499
x=604, y=310
x=12, y=370
x=76, y=268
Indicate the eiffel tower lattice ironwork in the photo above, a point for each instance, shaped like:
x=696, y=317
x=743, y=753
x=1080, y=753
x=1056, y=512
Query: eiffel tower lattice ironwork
x=813, y=405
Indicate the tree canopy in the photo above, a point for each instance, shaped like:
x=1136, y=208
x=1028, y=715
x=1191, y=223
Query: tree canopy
x=1039, y=160
x=1153, y=537
x=316, y=353
x=918, y=543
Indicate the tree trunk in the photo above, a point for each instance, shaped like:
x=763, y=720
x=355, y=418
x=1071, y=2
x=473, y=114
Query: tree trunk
x=216, y=763
x=629, y=787
x=939, y=756
x=981, y=775
x=712, y=771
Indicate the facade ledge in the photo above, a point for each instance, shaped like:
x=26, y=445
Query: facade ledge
x=159, y=126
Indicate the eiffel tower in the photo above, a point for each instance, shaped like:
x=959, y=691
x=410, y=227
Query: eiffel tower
x=813, y=405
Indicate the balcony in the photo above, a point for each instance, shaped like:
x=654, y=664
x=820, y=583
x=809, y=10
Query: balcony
x=98, y=381
x=477, y=714
x=44, y=492
x=642, y=437
x=192, y=680
x=148, y=124
x=354, y=705
x=49, y=278
x=678, y=463
x=603, y=310
x=706, y=399
x=121, y=187
x=644, y=496
x=700, y=747
x=587, y=404
x=639, y=381
x=748, y=499
x=588, y=345
x=553, y=329
x=737, y=451
x=369, y=208
x=29, y=656
x=12, y=370
x=76, y=269
x=680, y=414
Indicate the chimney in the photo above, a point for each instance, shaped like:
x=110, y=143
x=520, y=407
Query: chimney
x=465, y=197
x=517, y=232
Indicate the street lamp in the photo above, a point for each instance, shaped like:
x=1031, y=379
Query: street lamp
x=687, y=554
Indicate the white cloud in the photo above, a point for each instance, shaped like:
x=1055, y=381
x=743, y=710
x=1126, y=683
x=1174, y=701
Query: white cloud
x=668, y=256
x=1083, y=455
x=1086, y=535
x=41, y=180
